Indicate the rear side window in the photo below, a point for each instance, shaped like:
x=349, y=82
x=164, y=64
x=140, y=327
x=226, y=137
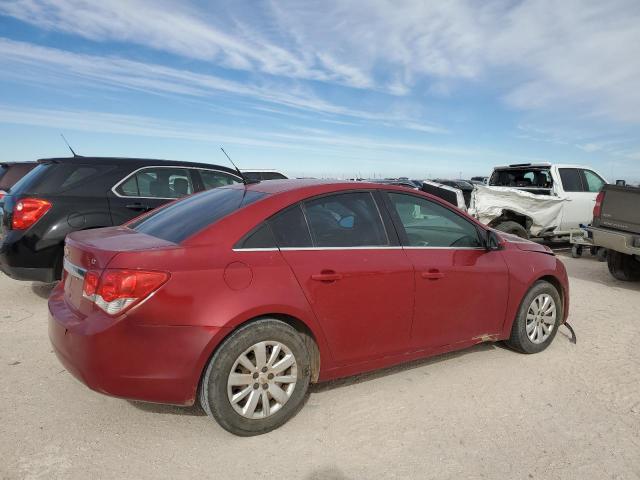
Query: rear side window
x=182, y=219
x=52, y=178
x=345, y=220
x=252, y=176
x=157, y=182
x=213, y=179
x=571, y=181
x=290, y=229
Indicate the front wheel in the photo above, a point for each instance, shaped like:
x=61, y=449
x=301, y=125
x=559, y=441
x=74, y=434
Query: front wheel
x=537, y=320
x=257, y=379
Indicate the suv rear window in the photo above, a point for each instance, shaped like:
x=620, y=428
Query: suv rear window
x=48, y=178
x=182, y=219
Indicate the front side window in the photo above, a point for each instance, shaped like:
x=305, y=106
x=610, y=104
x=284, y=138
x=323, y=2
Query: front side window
x=157, y=182
x=345, y=220
x=593, y=181
x=214, y=179
x=571, y=181
x=428, y=224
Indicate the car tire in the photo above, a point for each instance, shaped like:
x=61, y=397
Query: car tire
x=623, y=267
x=533, y=330
x=242, y=396
x=514, y=228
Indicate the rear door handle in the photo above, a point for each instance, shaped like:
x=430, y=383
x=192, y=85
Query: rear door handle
x=326, y=276
x=138, y=206
x=432, y=274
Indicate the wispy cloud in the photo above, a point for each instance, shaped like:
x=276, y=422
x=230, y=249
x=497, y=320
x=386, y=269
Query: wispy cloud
x=117, y=72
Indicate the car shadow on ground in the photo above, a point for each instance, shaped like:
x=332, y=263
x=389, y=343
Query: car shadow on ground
x=194, y=411
x=43, y=290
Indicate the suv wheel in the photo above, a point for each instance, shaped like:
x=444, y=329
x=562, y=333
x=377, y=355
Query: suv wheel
x=257, y=379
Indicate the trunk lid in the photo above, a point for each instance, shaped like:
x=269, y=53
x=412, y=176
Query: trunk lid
x=93, y=250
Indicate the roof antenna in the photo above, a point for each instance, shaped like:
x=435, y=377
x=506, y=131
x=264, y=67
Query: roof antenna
x=69, y=146
x=244, y=180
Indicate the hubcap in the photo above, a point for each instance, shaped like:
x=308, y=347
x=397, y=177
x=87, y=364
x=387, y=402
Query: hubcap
x=262, y=379
x=541, y=318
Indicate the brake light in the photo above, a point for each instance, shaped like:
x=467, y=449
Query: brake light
x=2, y=194
x=28, y=211
x=114, y=291
x=597, y=208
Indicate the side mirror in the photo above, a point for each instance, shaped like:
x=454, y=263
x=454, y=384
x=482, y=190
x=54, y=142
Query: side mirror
x=492, y=241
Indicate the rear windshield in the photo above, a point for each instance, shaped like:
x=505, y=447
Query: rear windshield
x=49, y=178
x=182, y=219
x=522, y=178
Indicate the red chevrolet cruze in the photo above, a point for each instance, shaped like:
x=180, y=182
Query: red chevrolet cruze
x=242, y=296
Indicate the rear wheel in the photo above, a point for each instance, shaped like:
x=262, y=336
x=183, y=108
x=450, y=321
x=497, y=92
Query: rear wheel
x=537, y=320
x=513, y=228
x=257, y=379
x=623, y=267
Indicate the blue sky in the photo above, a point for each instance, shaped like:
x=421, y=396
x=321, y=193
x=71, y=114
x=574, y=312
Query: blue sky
x=331, y=88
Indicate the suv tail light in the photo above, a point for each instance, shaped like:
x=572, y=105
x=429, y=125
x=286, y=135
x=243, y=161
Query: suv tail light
x=114, y=291
x=28, y=211
x=597, y=208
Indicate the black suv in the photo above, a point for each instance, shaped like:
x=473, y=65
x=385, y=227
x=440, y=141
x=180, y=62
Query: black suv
x=63, y=195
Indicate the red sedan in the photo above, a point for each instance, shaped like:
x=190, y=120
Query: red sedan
x=239, y=297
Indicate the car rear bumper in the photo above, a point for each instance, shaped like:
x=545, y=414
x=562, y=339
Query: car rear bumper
x=115, y=356
x=628, y=243
x=20, y=261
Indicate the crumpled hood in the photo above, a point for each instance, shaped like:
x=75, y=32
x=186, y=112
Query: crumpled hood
x=524, y=244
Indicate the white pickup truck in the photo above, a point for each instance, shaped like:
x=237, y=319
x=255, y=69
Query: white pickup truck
x=535, y=200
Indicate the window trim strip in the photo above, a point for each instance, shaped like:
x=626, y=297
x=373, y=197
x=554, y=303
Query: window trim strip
x=113, y=189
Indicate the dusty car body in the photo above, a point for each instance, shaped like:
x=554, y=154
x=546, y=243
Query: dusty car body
x=192, y=300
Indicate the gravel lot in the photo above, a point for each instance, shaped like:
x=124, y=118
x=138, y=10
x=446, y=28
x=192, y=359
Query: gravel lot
x=572, y=411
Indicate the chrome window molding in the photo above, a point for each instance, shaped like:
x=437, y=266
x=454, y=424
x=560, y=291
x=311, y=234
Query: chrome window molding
x=376, y=247
x=113, y=189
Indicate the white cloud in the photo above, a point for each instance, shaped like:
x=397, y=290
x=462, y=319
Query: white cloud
x=573, y=55
x=34, y=63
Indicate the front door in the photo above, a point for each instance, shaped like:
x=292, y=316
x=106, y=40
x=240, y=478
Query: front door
x=461, y=288
x=355, y=276
x=581, y=188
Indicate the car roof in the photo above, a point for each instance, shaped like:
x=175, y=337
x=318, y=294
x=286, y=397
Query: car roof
x=137, y=162
x=9, y=164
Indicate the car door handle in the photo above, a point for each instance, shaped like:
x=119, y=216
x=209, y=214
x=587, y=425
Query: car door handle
x=138, y=206
x=432, y=274
x=326, y=276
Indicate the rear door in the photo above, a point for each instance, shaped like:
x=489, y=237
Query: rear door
x=148, y=188
x=356, y=278
x=461, y=288
x=581, y=187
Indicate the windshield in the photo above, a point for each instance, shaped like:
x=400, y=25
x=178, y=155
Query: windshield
x=183, y=218
x=522, y=178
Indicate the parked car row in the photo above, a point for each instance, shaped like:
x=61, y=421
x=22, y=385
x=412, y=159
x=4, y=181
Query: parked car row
x=63, y=195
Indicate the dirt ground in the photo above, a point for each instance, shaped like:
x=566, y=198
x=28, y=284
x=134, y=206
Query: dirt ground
x=572, y=411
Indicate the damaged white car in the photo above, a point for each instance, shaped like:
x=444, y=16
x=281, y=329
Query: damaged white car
x=530, y=200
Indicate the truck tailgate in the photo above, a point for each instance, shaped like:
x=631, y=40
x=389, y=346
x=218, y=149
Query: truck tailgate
x=620, y=209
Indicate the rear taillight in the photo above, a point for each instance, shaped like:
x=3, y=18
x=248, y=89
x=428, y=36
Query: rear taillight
x=597, y=208
x=2, y=194
x=28, y=211
x=114, y=291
